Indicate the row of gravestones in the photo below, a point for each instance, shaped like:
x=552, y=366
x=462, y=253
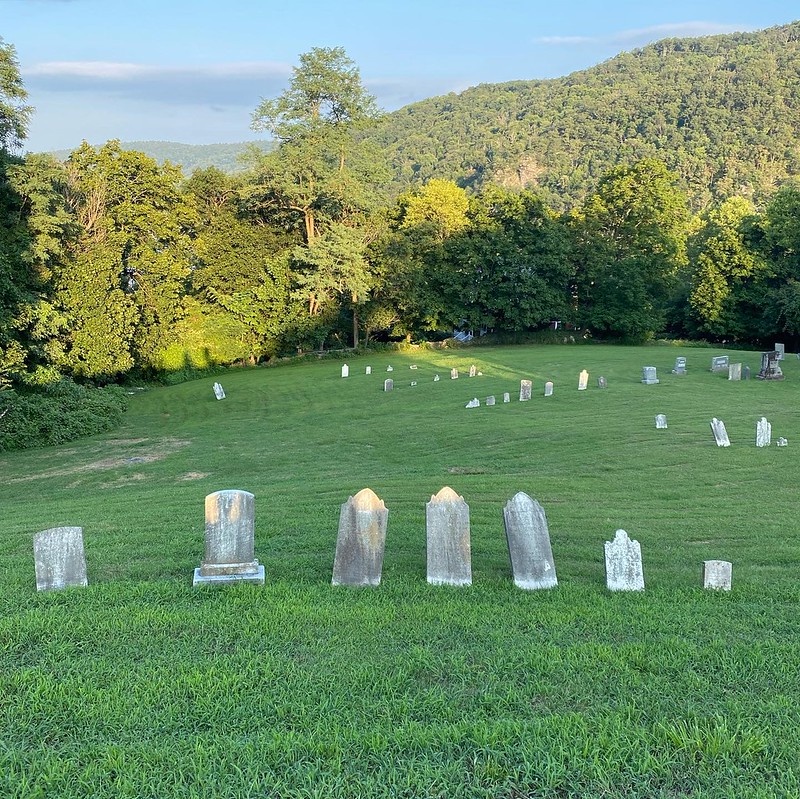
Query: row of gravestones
x=230, y=540
x=763, y=432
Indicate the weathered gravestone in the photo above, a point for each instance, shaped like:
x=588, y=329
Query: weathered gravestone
x=782, y=442
x=58, y=558
x=218, y=391
x=602, y=382
x=454, y=374
x=412, y=366
x=548, y=389
x=413, y=382
x=473, y=403
x=529, y=547
x=624, y=564
x=734, y=371
x=745, y=372
x=717, y=574
x=436, y=378
x=720, y=433
x=680, y=366
x=449, y=559
x=661, y=421
x=472, y=370
x=369, y=370
x=390, y=368
x=770, y=368
x=525, y=388
x=763, y=432
x=490, y=400
x=781, y=350
x=230, y=540
x=388, y=384
x=345, y=370
x=649, y=376
x=507, y=396
x=583, y=380
x=361, y=540
x=719, y=363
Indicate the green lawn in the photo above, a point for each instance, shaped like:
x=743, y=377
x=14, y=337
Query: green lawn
x=141, y=686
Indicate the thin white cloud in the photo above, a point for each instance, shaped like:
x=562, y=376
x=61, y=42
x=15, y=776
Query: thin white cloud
x=641, y=36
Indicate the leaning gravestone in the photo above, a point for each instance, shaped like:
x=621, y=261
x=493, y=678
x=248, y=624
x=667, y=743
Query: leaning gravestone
x=507, y=396
x=548, y=389
x=529, y=547
x=230, y=535
x=58, y=558
x=361, y=540
x=734, y=371
x=781, y=350
x=218, y=392
x=525, y=387
x=661, y=421
x=449, y=559
x=624, y=564
x=388, y=384
x=454, y=374
x=717, y=574
x=770, y=368
x=719, y=363
x=649, y=376
x=763, y=432
x=345, y=370
x=472, y=370
x=490, y=400
x=583, y=380
x=720, y=433
x=680, y=366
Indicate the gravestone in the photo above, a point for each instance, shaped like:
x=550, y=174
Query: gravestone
x=720, y=433
x=770, y=368
x=345, y=370
x=583, y=380
x=472, y=370
x=763, y=432
x=649, y=376
x=436, y=378
x=507, y=396
x=661, y=422
x=218, y=391
x=473, y=403
x=532, y=563
x=58, y=558
x=601, y=382
x=745, y=373
x=490, y=400
x=624, y=564
x=369, y=370
x=781, y=350
x=230, y=536
x=680, y=366
x=449, y=558
x=782, y=442
x=390, y=368
x=361, y=540
x=717, y=575
x=413, y=382
x=735, y=371
x=413, y=366
x=548, y=389
x=388, y=384
x=719, y=363
x=454, y=374
x=525, y=388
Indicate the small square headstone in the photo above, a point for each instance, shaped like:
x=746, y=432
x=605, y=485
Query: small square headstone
x=734, y=371
x=413, y=366
x=413, y=382
x=661, y=421
x=781, y=350
x=369, y=370
x=680, y=366
x=624, y=564
x=583, y=380
x=601, y=382
x=58, y=558
x=548, y=388
x=388, y=384
x=719, y=363
x=782, y=442
x=507, y=396
x=490, y=400
x=345, y=370
x=525, y=387
x=649, y=376
x=717, y=575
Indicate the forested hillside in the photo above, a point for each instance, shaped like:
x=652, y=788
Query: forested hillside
x=721, y=111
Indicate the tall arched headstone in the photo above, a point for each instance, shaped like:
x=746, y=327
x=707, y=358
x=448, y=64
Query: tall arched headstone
x=449, y=554
x=624, y=564
x=361, y=540
x=529, y=547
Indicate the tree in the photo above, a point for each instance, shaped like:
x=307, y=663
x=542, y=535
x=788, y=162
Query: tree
x=440, y=205
x=14, y=114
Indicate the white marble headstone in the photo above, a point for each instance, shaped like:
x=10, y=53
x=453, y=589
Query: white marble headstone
x=59, y=559
x=454, y=374
x=218, y=391
x=345, y=370
x=717, y=574
x=734, y=371
x=720, y=433
x=507, y=396
x=583, y=380
x=473, y=403
x=361, y=540
x=661, y=421
x=649, y=376
x=528, y=540
x=763, y=432
x=548, y=389
x=388, y=384
x=525, y=387
x=449, y=557
x=369, y=370
x=624, y=564
x=490, y=400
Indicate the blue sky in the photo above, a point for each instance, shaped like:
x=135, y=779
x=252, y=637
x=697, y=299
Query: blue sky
x=193, y=71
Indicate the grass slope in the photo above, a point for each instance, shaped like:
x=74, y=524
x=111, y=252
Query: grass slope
x=140, y=686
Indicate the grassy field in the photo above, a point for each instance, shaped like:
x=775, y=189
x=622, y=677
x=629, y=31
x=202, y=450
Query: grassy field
x=140, y=686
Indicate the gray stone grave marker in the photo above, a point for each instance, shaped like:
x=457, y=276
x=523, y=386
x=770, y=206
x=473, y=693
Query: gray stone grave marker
x=436, y=378
x=388, y=384
x=720, y=433
x=781, y=350
x=680, y=366
x=548, y=389
x=528, y=538
x=719, y=363
x=602, y=382
x=583, y=380
x=473, y=403
x=763, y=432
x=230, y=540
x=390, y=368
x=717, y=574
x=770, y=368
x=454, y=374
x=624, y=564
x=507, y=396
x=345, y=370
x=361, y=540
x=219, y=393
x=782, y=442
x=525, y=388
x=369, y=370
x=734, y=371
x=490, y=400
x=649, y=375
x=449, y=558
x=59, y=559
x=661, y=421
x=745, y=372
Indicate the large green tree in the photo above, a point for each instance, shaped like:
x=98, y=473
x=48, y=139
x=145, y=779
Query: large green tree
x=14, y=112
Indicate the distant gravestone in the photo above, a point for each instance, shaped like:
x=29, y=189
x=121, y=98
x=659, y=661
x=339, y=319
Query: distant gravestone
x=230, y=536
x=413, y=366
x=473, y=403
x=449, y=558
x=490, y=400
x=661, y=421
x=548, y=389
x=388, y=384
x=218, y=391
x=507, y=396
x=781, y=350
x=602, y=383
x=717, y=575
x=436, y=378
x=345, y=370
x=734, y=371
x=763, y=432
x=525, y=388
x=472, y=370
x=745, y=373
x=390, y=368
x=649, y=375
x=770, y=368
x=583, y=380
x=719, y=363
x=680, y=366
x=529, y=547
x=624, y=564
x=369, y=370
x=59, y=559
x=782, y=442
x=454, y=374
x=361, y=540
x=720, y=433
x=413, y=382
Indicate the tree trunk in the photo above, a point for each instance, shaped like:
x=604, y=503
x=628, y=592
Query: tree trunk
x=355, y=326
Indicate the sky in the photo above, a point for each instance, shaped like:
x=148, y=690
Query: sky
x=193, y=71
